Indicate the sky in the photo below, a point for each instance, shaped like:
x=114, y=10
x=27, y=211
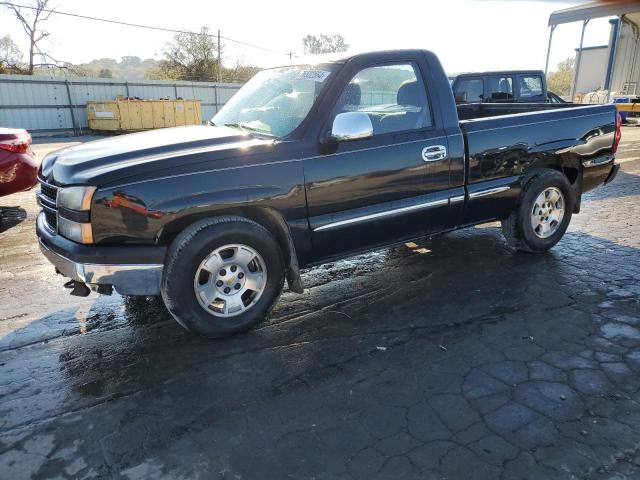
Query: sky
x=467, y=35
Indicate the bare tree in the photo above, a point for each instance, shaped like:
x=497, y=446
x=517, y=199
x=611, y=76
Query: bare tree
x=38, y=12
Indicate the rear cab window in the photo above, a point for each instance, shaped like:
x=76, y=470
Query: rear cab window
x=500, y=89
x=469, y=89
x=530, y=88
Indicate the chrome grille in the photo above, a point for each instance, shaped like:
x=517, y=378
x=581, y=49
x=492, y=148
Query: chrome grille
x=49, y=191
x=51, y=219
x=47, y=196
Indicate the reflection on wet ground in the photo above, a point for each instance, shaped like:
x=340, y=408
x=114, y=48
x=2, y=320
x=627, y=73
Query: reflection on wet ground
x=431, y=360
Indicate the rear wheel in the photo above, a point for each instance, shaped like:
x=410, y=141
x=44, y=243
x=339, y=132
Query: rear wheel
x=543, y=215
x=222, y=276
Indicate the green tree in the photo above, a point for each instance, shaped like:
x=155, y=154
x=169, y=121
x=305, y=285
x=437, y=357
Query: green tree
x=190, y=56
x=10, y=56
x=194, y=56
x=239, y=73
x=105, y=73
x=130, y=61
x=324, y=44
x=559, y=82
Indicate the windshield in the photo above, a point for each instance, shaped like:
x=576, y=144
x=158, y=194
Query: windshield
x=275, y=101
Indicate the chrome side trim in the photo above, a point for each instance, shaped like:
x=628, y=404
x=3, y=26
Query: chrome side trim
x=457, y=199
x=141, y=279
x=489, y=191
x=386, y=213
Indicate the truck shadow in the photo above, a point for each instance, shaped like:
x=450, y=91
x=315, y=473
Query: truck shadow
x=624, y=185
x=436, y=285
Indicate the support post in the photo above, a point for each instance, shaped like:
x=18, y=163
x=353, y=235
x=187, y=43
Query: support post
x=73, y=113
x=578, y=59
x=611, y=64
x=546, y=65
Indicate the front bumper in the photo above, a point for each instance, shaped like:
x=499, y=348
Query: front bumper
x=120, y=267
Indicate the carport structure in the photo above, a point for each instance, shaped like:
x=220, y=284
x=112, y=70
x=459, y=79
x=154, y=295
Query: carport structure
x=623, y=70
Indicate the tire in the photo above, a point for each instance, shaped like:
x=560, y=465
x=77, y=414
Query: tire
x=518, y=228
x=197, y=258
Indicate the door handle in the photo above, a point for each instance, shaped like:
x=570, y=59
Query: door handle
x=434, y=153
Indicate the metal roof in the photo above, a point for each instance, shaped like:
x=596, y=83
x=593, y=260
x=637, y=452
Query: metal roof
x=594, y=10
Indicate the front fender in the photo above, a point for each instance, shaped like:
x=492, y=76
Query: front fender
x=141, y=211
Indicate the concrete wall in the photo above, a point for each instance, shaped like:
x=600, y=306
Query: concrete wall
x=57, y=105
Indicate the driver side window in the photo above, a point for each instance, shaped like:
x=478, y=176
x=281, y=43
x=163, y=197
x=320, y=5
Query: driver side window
x=393, y=96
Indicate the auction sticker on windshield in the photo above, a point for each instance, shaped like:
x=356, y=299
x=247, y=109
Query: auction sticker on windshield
x=315, y=75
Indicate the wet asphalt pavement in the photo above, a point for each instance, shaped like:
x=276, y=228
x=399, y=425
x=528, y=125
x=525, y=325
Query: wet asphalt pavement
x=451, y=358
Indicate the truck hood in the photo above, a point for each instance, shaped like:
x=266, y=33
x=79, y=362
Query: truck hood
x=127, y=155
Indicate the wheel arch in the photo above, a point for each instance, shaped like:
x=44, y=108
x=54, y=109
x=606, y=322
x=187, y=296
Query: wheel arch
x=267, y=217
x=569, y=169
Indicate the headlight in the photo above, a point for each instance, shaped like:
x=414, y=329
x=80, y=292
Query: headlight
x=75, y=231
x=74, y=204
x=76, y=198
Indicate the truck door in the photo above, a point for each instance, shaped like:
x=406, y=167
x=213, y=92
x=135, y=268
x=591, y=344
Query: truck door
x=387, y=187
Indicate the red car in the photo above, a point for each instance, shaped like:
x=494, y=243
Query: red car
x=18, y=165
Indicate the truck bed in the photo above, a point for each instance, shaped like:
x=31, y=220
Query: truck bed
x=497, y=144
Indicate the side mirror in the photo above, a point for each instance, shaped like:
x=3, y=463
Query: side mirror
x=351, y=126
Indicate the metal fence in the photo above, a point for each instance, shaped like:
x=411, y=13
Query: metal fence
x=57, y=105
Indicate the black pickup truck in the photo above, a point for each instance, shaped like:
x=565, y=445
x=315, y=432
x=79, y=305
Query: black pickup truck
x=306, y=164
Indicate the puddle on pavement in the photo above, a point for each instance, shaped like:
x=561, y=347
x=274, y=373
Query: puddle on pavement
x=620, y=331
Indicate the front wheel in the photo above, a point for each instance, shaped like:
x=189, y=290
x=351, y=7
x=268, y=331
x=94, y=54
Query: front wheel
x=222, y=276
x=543, y=215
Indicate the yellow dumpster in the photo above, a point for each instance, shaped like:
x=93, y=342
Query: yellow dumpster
x=133, y=115
x=628, y=107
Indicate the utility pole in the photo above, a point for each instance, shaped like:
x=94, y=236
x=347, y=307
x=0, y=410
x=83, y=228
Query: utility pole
x=219, y=60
